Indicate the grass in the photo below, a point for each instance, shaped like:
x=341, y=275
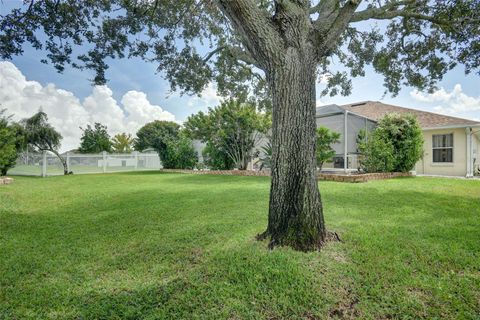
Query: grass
x=57, y=170
x=171, y=246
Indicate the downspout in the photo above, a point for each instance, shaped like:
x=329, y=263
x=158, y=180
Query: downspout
x=472, y=164
x=469, y=152
x=345, y=141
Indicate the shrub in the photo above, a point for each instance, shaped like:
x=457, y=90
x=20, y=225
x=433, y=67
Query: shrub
x=406, y=136
x=396, y=144
x=180, y=154
x=266, y=160
x=8, y=151
x=378, y=153
x=216, y=159
x=325, y=139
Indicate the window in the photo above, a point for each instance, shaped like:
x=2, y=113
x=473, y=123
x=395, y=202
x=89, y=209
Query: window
x=443, y=147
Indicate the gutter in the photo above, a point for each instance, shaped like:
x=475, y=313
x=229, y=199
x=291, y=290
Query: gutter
x=326, y=115
x=457, y=126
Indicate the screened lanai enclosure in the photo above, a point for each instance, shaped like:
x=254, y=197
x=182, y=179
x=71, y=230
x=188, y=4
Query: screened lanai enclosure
x=348, y=125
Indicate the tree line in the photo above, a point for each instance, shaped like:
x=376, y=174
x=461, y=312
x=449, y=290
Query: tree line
x=230, y=132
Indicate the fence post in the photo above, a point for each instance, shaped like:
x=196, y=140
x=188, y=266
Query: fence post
x=44, y=164
x=135, y=153
x=104, y=161
x=68, y=161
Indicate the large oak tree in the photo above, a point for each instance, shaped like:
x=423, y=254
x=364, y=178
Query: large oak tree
x=263, y=49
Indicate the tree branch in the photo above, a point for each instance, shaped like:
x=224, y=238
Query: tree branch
x=332, y=22
x=237, y=52
x=325, y=8
x=390, y=11
x=256, y=29
x=212, y=53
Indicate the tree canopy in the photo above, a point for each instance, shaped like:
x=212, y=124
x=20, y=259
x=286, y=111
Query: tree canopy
x=155, y=135
x=95, y=139
x=233, y=127
x=122, y=143
x=42, y=136
x=11, y=138
x=325, y=139
x=196, y=42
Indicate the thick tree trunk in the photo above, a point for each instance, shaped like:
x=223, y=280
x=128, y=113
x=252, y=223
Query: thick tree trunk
x=295, y=214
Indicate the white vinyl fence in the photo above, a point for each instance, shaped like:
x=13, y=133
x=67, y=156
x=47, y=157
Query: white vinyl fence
x=47, y=164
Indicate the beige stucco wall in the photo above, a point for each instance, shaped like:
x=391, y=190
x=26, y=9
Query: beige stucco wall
x=459, y=165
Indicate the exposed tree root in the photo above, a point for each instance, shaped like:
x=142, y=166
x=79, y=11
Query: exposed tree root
x=332, y=236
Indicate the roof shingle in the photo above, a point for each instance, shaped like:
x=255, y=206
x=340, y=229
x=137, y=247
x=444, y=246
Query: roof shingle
x=375, y=110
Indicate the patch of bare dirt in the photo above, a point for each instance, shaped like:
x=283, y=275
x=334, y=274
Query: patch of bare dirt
x=346, y=307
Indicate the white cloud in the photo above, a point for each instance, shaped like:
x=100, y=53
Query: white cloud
x=454, y=102
x=208, y=98
x=67, y=113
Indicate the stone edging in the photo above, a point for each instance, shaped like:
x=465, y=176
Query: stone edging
x=321, y=176
x=363, y=177
x=5, y=180
x=222, y=172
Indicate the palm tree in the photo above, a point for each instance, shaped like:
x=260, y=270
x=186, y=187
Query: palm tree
x=122, y=143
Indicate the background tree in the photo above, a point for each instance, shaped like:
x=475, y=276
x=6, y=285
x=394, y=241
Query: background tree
x=8, y=152
x=41, y=136
x=11, y=142
x=216, y=159
x=325, y=139
x=233, y=128
x=95, y=139
x=158, y=135
x=122, y=143
x=180, y=153
x=271, y=49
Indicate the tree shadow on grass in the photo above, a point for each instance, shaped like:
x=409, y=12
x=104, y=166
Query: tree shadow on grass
x=166, y=253
x=242, y=282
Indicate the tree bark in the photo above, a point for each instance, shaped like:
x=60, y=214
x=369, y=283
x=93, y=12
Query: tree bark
x=285, y=46
x=295, y=211
x=63, y=161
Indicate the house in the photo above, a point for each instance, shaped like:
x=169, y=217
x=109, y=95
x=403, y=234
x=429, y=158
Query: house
x=451, y=144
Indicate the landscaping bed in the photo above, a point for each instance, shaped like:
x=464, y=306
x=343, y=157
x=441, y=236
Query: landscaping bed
x=5, y=180
x=340, y=177
x=242, y=173
x=361, y=177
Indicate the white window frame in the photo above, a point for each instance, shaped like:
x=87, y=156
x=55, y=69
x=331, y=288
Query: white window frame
x=437, y=148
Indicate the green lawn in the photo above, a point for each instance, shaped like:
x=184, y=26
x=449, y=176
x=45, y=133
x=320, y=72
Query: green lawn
x=171, y=246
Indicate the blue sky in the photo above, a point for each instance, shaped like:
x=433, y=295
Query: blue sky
x=135, y=74
x=459, y=95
